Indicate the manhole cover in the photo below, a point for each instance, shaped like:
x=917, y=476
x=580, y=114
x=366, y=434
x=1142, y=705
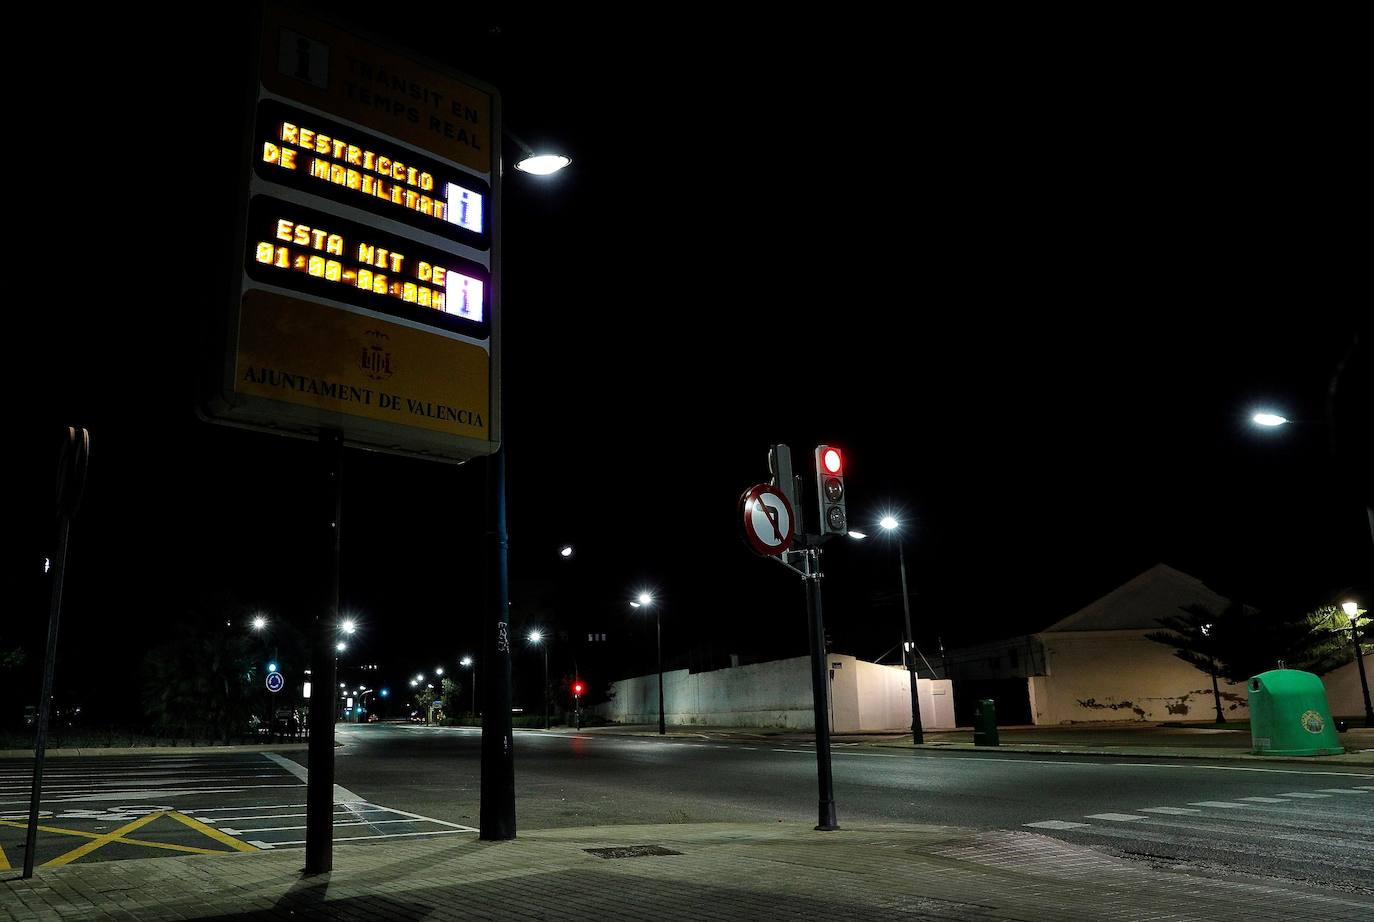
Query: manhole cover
x=631, y=851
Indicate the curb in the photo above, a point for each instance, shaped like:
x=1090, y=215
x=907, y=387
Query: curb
x=146, y=750
x=1349, y=758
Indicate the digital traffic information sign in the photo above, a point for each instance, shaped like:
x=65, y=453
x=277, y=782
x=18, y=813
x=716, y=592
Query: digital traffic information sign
x=368, y=289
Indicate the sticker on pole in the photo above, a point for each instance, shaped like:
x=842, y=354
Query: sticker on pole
x=768, y=521
x=275, y=682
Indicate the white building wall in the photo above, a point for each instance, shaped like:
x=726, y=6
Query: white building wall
x=1122, y=675
x=1343, y=691
x=863, y=697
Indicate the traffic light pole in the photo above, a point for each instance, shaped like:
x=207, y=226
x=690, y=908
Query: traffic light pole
x=319, y=789
x=816, y=632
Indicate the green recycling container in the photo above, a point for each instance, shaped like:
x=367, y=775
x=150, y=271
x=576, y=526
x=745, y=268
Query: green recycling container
x=985, y=723
x=1289, y=715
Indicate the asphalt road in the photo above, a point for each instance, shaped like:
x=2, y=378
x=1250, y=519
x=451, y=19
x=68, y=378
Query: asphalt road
x=1277, y=820
x=107, y=808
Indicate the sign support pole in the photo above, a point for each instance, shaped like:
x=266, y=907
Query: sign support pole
x=497, y=807
x=71, y=482
x=40, y=746
x=319, y=792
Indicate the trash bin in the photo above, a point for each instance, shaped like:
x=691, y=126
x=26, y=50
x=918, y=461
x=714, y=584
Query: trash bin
x=1289, y=715
x=985, y=723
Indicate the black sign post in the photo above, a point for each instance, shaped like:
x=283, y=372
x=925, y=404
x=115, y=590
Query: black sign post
x=71, y=483
x=319, y=791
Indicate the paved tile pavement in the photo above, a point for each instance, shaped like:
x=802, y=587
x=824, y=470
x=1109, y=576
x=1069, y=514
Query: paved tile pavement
x=706, y=871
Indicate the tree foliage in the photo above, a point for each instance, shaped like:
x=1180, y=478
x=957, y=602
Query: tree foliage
x=201, y=682
x=1240, y=641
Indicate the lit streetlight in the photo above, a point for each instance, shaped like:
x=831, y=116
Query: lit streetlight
x=467, y=663
x=1270, y=420
x=536, y=638
x=542, y=164
x=438, y=670
x=565, y=551
x=348, y=626
x=259, y=622
x=646, y=600
x=340, y=646
x=890, y=524
x=1352, y=611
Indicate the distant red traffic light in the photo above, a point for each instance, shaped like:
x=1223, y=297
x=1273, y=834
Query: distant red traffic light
x=578, y=689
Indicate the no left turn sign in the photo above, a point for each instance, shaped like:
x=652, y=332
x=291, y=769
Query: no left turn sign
x=768, y=523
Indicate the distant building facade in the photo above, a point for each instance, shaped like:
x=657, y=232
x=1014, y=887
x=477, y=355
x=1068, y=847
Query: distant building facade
x=1097, y=665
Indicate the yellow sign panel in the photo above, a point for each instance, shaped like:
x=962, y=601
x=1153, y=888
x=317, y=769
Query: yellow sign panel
x=336, y=72
x=334, y=360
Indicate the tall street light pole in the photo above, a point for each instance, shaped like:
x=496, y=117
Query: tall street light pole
x=537, y=638
x=647, y=601
x=467, y=663
x=1352, y=610
x=891, y=525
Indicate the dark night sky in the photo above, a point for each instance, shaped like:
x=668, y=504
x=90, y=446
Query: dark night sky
x=1031, y=277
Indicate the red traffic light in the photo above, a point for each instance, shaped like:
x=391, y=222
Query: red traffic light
x=578, y=689
x=832, y=460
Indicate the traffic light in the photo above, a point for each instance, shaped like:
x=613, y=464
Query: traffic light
x=830, y=490
x=578, y=689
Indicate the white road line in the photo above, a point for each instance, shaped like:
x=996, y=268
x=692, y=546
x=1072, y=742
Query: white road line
x=281, y=816
x=748, y=748
x=239, y=832
x=145, y=794
x=1116, y=817
x=341, y=794
x=262, y=845
x=428, y=819
x=1171, y=811
x=1225, y=804
x=1056, y=824
x=1342, y=791
x=1264, y=800
x=390, y=835
x=1304, y=795
x=264, y=807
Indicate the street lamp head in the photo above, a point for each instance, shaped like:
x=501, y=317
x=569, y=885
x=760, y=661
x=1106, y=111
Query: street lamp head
x=565, y=551
x=645, y=599
x=1268, y=419
x=858, y=535
x=542, y=164
x=1351, y=609
x=889, y=522
x=413, y=683
x=465, y=662
x=341, y=646
x=535, y=637
x=348, y=626
x=259, y=623
x=438, y=670
x=271, y=667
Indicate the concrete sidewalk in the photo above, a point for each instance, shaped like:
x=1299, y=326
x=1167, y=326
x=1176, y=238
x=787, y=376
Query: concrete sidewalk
x=1136, y=740
x=676, y=872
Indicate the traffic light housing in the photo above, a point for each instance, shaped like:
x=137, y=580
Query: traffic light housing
x=830, y=492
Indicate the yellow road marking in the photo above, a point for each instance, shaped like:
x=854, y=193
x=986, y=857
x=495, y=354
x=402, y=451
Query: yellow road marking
x=100, y=841
x=103, y=839
x=212, y=832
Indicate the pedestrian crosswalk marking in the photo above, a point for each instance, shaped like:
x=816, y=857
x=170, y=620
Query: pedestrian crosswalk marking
x=1217, y=803
x=1265, y=800
x=1056, y=824
x=1304, y=795
x=1341, y=791
x=1115, y=817
x=1171, y=811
